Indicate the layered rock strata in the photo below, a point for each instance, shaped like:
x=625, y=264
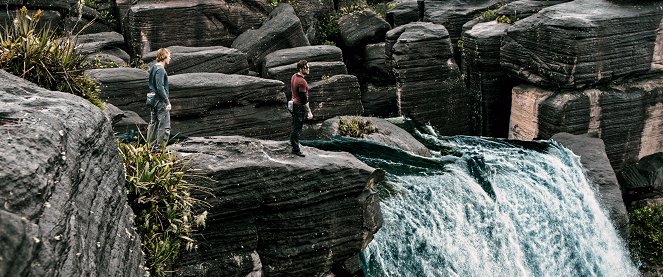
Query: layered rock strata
x=585, y=42
x=361, y=28
x=489, y=86
x=212, y=59
x=428, y=81
x=150, y=25
x=64, y=210
x=276, y=214
x=337, y=95
x=453, y=14
x=628, y=117
x=281, y=30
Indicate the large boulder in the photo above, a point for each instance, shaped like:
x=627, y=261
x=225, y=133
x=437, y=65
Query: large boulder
x=489, y=86
x=428, y=80
x=337, y=95
x=585, y=42
x=281, y=30
x=311, y=13
x=123, y=87
x=204, y=103
x=208, y=104
x=453, y=14
x=627, y=116
x=323, y=61
x=405, y=11
x=211, y=59
x=375, y=65
x=521, y=9
x=600, y=174
x=275, y=214
x=153, y=24
x=642, y=179
x=361, y=28
x=64, y=209
x=387, y=133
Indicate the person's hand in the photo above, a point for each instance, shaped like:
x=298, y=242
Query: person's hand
x=168, y=107
x=309, y=116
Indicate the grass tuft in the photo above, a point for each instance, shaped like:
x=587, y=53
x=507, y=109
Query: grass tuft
x=355, y=127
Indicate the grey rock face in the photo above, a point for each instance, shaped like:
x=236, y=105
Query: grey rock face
x=93, y=43
x=380, y=101
x=290, y=56
x=64, y=209
x=427, y=78
x=338, y=95
x=281, y=30
x=276, y=214
x=361, y=28
x=585, y=42
x=489, y=86
x=593, y=158
x=521, y=9
x=206, y=104
x=150, y=25
x=388, y=134
x=375, y=65
x=212, y=59
x=126, y=88
x=324, y=60
x=406, y=11
x=643, y=179
x=311, y=13
x=453, y=14
x=627, y=117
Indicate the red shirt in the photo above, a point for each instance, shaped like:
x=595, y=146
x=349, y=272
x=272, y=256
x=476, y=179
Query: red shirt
x=299, y=89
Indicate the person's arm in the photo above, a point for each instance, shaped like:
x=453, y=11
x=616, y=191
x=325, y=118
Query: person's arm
x=304, y=97
x=161, y=90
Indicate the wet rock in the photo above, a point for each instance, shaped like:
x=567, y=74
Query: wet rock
x=593, y=158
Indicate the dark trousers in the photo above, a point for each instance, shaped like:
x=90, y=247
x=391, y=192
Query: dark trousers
x=297, y=124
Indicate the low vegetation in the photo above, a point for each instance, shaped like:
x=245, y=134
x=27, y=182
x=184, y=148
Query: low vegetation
x=355, y=127
x=646, y=235
x=45, y=58
x=161, y=199
x=327, y=29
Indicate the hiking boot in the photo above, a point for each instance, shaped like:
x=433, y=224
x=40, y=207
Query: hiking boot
x=299, y=154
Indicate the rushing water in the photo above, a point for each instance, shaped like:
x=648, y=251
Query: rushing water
x=500, y=208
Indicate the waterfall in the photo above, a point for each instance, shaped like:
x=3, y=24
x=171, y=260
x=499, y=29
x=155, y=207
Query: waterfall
x=501, y=208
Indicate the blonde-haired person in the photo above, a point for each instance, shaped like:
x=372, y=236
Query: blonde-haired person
x=158, y=131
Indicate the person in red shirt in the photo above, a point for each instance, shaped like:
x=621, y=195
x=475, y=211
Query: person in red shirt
x=300, y=106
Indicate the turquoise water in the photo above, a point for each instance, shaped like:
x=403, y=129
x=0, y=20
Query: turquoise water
x=496, y=208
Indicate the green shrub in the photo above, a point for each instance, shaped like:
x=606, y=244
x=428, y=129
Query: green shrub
x=161, y=200
x=488, y=15
x=355, y=127
x=646, y=235
x=42, y=57
x=503, y=19
x=327, y=30
x=382, y=8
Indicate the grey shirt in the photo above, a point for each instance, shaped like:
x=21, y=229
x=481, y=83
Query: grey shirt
x=159, y=82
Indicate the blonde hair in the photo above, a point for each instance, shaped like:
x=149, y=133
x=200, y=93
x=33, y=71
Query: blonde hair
x=162, y=54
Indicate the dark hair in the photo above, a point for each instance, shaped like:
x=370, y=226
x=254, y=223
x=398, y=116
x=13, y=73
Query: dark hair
x=301, y=64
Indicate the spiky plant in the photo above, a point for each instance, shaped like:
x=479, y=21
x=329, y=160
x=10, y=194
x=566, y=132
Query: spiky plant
x=41, y=56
